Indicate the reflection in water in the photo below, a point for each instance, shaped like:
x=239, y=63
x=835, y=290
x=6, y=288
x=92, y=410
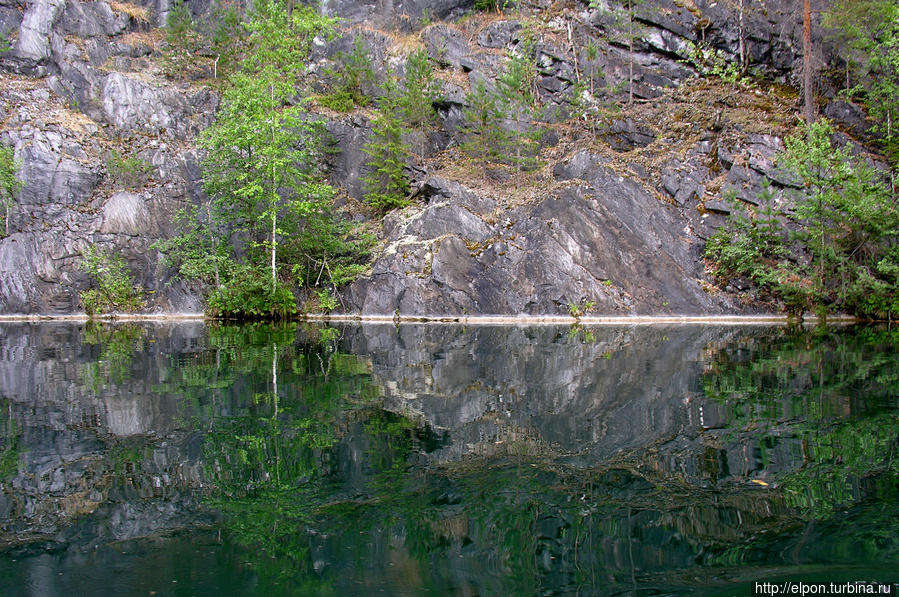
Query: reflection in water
x=427, y=459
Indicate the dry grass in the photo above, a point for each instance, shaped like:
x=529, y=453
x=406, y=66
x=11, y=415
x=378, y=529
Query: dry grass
x=403, y=44
x=138, y=14
x=152, y=39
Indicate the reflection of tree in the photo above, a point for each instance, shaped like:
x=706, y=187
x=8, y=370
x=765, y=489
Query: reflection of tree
x=319, y=486
x=832, y=391
x=117, y=345
x=9, y=442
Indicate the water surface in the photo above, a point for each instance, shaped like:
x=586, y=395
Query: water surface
x=173, y=459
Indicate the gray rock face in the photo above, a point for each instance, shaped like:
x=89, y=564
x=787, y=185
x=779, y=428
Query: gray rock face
x=601, y=238
x=404, y=14
x=131, y=104
x=592, y=236
x=32, y=48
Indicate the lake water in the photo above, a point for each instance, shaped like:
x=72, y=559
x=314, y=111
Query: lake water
x=186, y=459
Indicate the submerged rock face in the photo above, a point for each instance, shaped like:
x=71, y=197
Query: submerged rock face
x=85, y=78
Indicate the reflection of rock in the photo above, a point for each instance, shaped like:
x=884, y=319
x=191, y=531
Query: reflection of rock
x=74, y=417
x=584, y=399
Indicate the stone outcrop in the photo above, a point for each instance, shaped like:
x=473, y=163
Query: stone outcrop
x=599, y=238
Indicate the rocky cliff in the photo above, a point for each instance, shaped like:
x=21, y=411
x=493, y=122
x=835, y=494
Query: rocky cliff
x=615, y=215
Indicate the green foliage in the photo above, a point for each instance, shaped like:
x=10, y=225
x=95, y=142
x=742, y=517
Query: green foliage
x=262, y=169
x=215, y=44
x=578, y=310
x=351, y=77
x=711, y=62
x=201, y=252
x=270, y=208
x=416, y=101
x=182, y=40
x=327, y=302
x=179, y=23
x=484, y=137
x=498, y=6
x=224, y=36
x=127, y=172
x=869, y=30
x=585, y=100
x=846, y=223
x=10, y=185
x=752, y=241
x=249, y=294
x=339, y=101
x=331, y=250
x=516, y=92
x=386, y=185
x=115, y=289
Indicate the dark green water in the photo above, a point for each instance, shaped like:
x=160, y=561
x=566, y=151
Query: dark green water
x=180, y=459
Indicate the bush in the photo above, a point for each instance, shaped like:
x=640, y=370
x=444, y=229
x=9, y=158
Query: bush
x=249, y=295
x=326, y=301
x=127, y=172
x=115, y=289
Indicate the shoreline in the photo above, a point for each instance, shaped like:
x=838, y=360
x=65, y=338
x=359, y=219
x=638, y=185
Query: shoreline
x=597, y=320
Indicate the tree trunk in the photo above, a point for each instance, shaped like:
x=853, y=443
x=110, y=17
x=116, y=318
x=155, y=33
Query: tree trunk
x=743, y=62
x=630, y=49
x=274, y=248
x=808, y=109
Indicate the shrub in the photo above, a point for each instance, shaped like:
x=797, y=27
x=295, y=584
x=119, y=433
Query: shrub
x=128, y=172
x=249, y=295
x=326, y=301
x=115, y=289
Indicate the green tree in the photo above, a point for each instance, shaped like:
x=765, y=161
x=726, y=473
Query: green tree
x=484, y=137
x=418, y=96
x=516, y=92
x=10, y=185
x=846, y=214
x=115, y=289
x=846, y=222
x=386, y=184
x=263, y=152
x=868, y=30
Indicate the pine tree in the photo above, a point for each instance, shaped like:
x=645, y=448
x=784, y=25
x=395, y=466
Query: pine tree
x=418, y=96
x=386, y=184
x=516, y=86
x=485, y=139
x=869, y=32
